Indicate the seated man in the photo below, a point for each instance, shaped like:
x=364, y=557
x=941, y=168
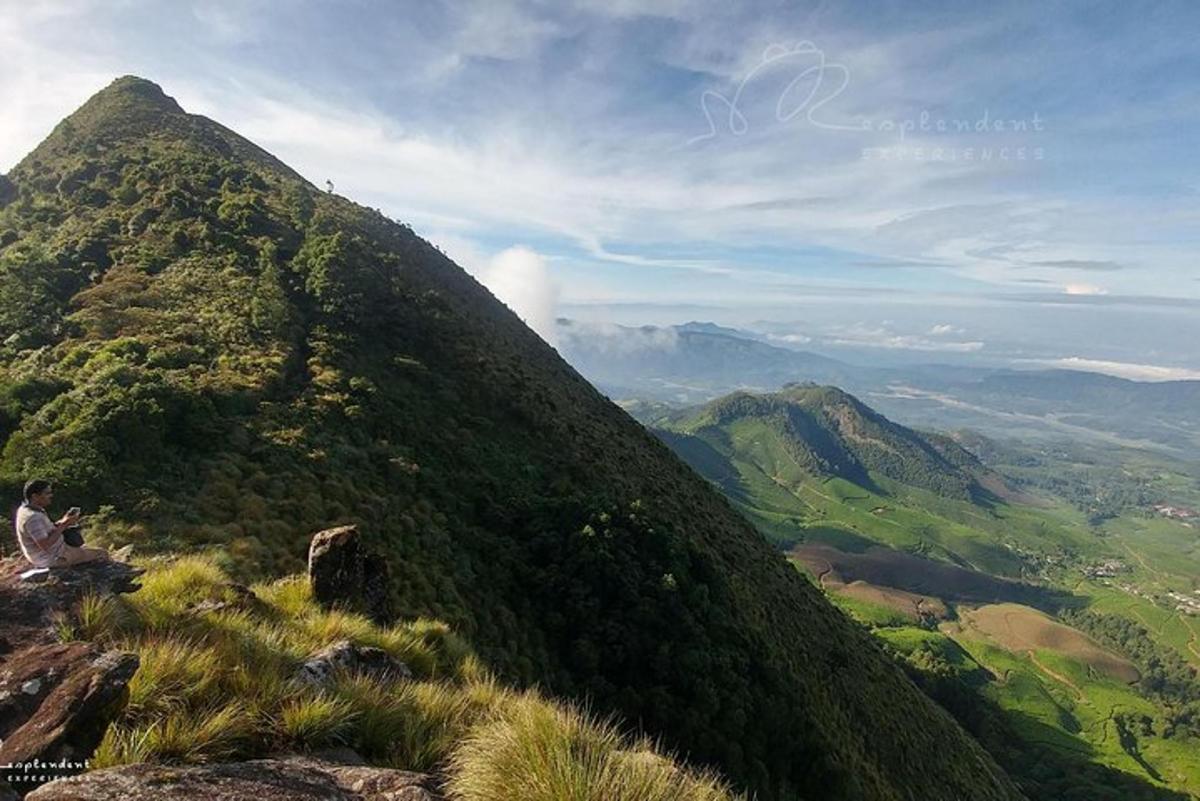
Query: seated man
x=42, y=540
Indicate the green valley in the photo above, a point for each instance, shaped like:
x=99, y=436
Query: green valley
x=1000, y=595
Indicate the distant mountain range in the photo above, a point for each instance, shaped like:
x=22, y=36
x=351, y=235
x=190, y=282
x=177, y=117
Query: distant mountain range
x=696, y=362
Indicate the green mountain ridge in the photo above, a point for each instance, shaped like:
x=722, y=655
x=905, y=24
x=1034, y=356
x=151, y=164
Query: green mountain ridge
x=827, y=433
x=227, y=358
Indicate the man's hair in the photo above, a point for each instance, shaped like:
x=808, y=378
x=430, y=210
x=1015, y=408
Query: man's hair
x=35, y=486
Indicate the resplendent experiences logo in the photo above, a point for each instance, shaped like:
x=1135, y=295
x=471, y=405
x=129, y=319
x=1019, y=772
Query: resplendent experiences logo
x=810, y=85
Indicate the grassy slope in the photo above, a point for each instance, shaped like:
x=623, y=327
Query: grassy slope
x=219, y=685
x=751, y=461
x=1054, y=702
x=245, y=359
x=1078, y=705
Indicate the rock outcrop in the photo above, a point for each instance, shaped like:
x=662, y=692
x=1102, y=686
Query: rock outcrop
x=288, y=779
x=344, y=573
x=56, y=698
x=346, y=657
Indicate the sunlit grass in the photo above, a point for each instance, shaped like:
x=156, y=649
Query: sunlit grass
x=315, y=721
x=534, y=751
x=220, y=683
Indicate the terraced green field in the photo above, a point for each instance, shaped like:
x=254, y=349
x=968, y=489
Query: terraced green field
x=1079, y=707
x=1056, y=702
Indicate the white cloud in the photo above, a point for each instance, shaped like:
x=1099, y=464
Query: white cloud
x=613, y=339
x=866, y=336
x=1130, y=370
x=790, y=339
x=518, y=276
x=1084, y=289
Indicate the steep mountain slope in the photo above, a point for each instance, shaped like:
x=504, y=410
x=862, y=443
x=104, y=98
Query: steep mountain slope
x=814, y=465
x=825, y=432
x=228, y=357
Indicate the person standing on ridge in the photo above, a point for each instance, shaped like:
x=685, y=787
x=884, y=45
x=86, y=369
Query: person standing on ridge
x=41, y=539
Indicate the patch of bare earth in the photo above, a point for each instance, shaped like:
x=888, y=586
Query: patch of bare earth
x=1022, y=629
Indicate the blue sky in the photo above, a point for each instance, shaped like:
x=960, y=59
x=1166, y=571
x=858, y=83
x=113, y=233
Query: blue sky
x=764, y=161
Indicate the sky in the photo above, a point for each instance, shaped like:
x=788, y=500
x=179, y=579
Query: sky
x=1010, y=183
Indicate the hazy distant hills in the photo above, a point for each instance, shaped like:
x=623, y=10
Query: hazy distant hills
x=688, y=363
x=696, y=362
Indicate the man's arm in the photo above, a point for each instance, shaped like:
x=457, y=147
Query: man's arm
x=44, y=534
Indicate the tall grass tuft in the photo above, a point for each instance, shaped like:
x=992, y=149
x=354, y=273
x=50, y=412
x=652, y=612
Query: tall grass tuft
x=208, y=735
x=173, y=674
x=100, y=618
x=169, y=589
x=535, y=751
x=314, y=721
x=290, y=597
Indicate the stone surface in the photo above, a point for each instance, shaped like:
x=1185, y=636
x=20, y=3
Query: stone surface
x=346, y=657
x=344, y=573
x=299, y=778
x=27, y=609
x=77, y=695
x=238, y=597
x=56, y=699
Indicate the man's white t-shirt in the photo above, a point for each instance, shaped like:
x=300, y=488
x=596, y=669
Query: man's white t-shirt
x=35, y=531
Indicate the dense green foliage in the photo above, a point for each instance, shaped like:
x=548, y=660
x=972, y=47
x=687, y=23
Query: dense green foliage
x=226, y=357
x=1093, y=479
x=1166, y=677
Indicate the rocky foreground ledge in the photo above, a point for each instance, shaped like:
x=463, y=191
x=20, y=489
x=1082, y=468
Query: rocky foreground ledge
x=57, y=699
x=299, y=778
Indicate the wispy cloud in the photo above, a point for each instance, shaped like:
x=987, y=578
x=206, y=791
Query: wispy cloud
x=565, y=126
x=1084, y=289
x=881, y=336
x=1081, y=264
x=1130, y=370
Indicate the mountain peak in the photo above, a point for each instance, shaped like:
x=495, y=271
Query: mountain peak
x=134, y=110
x=132, y=89
x=190, y=336
x=829, y=432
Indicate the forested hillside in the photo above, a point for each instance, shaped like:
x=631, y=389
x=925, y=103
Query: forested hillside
x=827, y=433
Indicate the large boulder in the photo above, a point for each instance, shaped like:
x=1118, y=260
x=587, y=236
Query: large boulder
x=292, y=779
x=345, y=574
x=346, y=657
x=61, y=700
